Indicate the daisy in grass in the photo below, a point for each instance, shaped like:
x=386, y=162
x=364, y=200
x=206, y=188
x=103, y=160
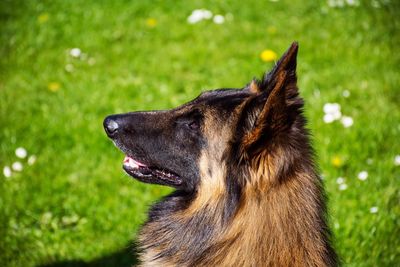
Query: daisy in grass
x=17, y=166
x=397, y=160
x=7, y=171
x=332, y=112
x=347, y=121
x=198, y=15
x=21, y=153
x=75, y=52
x=342, y=187
x=218, y=19
x=373, y=209
x=362, y=175
x=340, y=180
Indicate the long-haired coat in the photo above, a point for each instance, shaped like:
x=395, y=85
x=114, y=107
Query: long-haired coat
x=247, y=191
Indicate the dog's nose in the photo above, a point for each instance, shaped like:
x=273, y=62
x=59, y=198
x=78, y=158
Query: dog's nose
x=111, y=126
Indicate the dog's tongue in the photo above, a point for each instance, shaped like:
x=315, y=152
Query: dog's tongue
x=132, y=163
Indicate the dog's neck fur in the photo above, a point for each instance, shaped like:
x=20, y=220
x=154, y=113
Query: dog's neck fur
x=278, y=221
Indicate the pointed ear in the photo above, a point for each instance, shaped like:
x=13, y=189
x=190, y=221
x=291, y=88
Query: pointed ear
x=286, y=69
x=287, y=63
x=275, y=103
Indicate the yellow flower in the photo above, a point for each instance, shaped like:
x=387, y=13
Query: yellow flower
x=151, y=22
x=337, y=161
x=271, y=30
x=268, y=55
x=53, y=86
x=43, y=17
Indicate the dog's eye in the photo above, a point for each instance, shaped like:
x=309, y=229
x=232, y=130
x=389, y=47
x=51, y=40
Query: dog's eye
x=194, y=125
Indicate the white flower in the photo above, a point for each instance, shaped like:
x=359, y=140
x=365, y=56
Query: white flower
x=331, y=107
x=340, y=180
x=346, y=93
x=218, y=19
x=7, y=172
x=373, y=209
x=397, y=160
x=347, y=121
x=363, y=175
x=194, y=18
x=17, y=166
x=328, y=108
x=328, y=118
x=332, y=112
x=21, y=152
x=342, y=187
x=31, y=160
x=202, y=14
x=75, y=52
x=198, y=15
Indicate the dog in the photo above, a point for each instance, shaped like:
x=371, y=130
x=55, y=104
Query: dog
x=247, y=192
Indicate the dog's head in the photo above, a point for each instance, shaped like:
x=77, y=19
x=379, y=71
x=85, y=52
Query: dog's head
x=201, y=142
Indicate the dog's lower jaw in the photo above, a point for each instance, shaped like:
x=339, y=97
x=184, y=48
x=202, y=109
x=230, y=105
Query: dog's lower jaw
x=152, y=175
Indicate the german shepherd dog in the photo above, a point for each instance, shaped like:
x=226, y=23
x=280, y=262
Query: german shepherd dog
x=247, y=191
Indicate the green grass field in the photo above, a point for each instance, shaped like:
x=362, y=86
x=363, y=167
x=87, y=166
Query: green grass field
x=75, y=206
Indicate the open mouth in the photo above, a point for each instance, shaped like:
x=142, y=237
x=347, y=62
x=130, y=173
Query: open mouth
x=149, y=174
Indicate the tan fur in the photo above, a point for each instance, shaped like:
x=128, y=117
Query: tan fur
x=212, y=168
x=272, y=229
x=254, y=88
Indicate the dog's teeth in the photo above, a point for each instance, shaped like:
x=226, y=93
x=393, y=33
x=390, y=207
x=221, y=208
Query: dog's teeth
x=133, y=164
x=130, y=162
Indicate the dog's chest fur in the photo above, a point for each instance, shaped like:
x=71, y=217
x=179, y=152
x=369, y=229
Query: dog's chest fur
x=278, y=230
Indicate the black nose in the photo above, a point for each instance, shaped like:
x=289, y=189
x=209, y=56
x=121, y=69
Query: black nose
x=111, y=126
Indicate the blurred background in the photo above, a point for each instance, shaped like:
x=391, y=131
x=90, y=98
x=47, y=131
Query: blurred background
x=65, y=65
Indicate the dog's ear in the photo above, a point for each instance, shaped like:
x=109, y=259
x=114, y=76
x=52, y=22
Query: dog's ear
x=274, y=104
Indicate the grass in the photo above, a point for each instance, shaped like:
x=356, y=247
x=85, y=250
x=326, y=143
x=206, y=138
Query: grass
x=75, y=207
